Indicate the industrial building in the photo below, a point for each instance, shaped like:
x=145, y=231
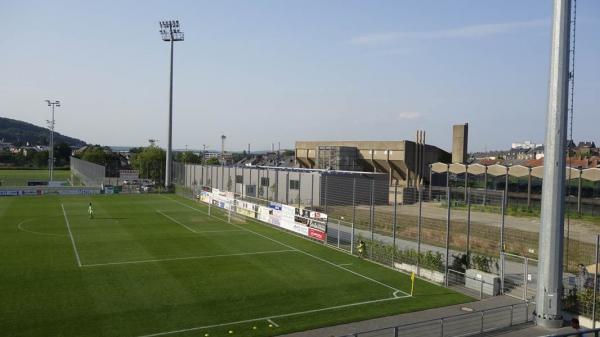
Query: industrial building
x=313, y=188
x=406, y=162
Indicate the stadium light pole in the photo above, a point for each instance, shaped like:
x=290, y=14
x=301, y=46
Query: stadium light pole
x=170, y=32
x=52, y=104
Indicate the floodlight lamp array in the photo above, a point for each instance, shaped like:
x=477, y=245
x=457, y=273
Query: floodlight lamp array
x=169, y=30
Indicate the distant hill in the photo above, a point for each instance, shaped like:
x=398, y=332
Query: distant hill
x=18, y=132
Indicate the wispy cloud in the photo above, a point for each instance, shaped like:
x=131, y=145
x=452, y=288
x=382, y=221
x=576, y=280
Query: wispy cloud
x=407, y=115
x=466, y=32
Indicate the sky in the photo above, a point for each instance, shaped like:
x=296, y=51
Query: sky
x=265, y=72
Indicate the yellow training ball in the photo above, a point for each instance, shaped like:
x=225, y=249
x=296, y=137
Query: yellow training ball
x=254, y=328
x=270, y=325
x=230, y=331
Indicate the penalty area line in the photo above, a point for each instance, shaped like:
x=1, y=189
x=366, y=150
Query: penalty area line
x=186, y=258
x=270, y=318
x=298, y=250
x=177, y=222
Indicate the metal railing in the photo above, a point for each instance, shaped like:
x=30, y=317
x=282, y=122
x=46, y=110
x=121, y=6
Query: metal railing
x=467, y=324
x=580, y=333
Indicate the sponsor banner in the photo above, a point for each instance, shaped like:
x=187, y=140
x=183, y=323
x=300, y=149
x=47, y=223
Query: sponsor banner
x=317, y=234
x=288, y=212
x=264, y=214
x=9, y=193
x=246, y=212
x=205, y=197
x=317, y=224
x=294, y=227
x=275, y=205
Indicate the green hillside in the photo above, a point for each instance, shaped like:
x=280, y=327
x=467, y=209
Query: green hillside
x=19, y=132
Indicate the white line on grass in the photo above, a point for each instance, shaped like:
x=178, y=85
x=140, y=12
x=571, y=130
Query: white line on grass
x=187, y=258
x=20, y=227
x=275, y=316
x=345, y=264
x=177, y=222
x=296, y=249
x=71, y=235
x=273, y=322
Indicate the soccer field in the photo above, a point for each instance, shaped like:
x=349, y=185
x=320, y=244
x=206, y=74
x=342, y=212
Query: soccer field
x=20, y=177
x=159, y=265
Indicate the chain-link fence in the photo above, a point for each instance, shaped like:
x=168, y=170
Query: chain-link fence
x=466, y=238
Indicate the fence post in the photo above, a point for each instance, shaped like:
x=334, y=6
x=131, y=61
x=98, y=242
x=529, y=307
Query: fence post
x=441, y=327
x=353, y=214
x=394, y=223
x=396, y=331
x=502, y=244
x=512, y=309
x=338, y=234
x=419, y=229
x=468, y=192
x=448, y=196
x=595, y=283
x=525, y=281
x=372, y=215
x=482, y=320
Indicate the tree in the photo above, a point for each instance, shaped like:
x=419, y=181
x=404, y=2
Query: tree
x=188, y=157
x=212, y=161
x=95, y=154
x=150, y=162
x=62, y=152
x=40, y=159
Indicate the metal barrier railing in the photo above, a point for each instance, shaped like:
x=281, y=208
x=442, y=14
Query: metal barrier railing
x=466, y=324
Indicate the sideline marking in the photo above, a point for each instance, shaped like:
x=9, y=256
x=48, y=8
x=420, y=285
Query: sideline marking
x=186, y=258
x=20, y=227
x=275, y=316
x=296, y=249
x=273, y=322
x=71, y=235
x=177, y=222
x=345, y=264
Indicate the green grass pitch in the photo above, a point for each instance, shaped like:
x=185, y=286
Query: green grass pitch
x=20, y=177
x=158, y=265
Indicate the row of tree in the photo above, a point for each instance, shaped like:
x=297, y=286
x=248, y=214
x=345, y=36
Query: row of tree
x=31, y=158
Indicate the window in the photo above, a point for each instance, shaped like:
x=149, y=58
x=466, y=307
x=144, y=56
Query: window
x=251, y=190
x=239, y=179
x=294, y=184
x=264, y=181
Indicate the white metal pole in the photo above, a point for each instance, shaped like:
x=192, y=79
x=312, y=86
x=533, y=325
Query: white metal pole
x=550, y=252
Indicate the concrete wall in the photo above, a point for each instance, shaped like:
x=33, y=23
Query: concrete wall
x=460, y=141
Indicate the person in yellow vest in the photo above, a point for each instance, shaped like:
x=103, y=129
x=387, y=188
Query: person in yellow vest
x=362, y=248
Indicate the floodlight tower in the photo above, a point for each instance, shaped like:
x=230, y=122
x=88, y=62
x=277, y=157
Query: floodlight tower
x=548, y=298
x=170, y=32
x=52, y=104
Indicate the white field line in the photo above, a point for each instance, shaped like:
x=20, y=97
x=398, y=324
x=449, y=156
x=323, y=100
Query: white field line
x=298, y=250
x=345, y=264
x=71, y=235
x=273, y=322
x=195, y=231
x=20, y=227
x=186, y=258
x=267, y=318
x=177, y=222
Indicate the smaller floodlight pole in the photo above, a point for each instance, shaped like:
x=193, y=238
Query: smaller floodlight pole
x=52, y=104
x=170, y=32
